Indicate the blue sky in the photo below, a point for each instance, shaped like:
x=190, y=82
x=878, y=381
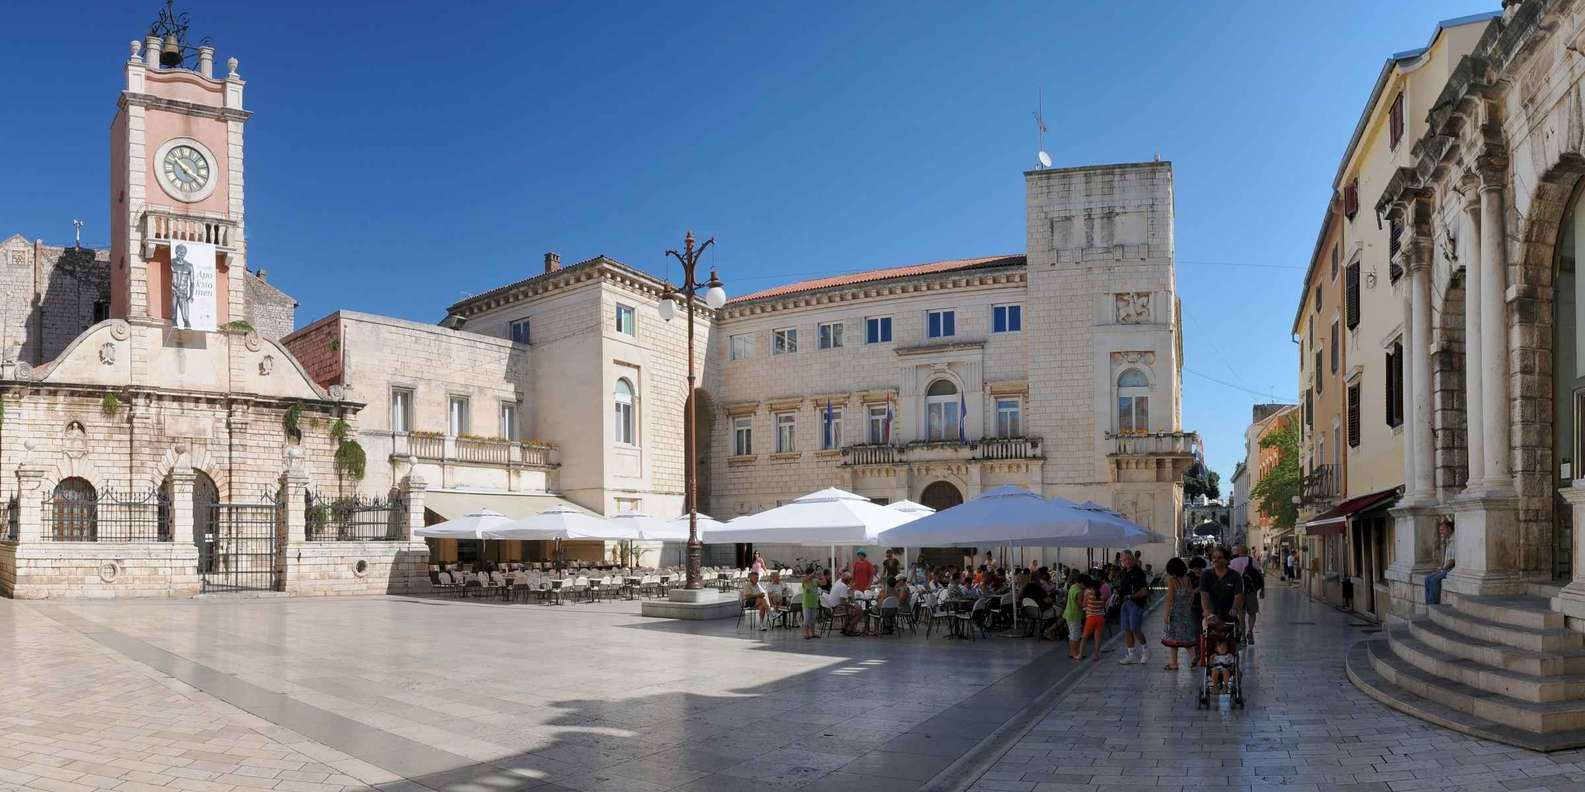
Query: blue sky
x=401, y=159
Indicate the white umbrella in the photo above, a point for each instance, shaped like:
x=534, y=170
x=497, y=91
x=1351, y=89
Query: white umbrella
x=1002, y=516
x=1115, y=530
x=706, y=524
x=470, y=527
x=828, y=517
x=561, y=522
x=910, y=507
x=653, y=529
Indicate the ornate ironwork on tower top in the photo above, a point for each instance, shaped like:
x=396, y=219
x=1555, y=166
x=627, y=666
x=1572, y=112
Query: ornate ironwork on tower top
x=171, y=29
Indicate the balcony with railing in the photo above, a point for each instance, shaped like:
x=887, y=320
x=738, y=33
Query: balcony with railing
x=1152, y=444
x=1320, y=486
x=989, y=448
x=468, y=450
x=163, y=227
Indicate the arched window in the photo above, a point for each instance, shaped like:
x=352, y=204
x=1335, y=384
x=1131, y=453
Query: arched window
x=943, y=406
x=74, y=510
x=1133, y=402
x=624, y=401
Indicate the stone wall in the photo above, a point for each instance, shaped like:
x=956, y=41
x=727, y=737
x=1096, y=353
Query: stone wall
x=344, y=568
x=48, y=296
x=98, y=570
x=272, y=312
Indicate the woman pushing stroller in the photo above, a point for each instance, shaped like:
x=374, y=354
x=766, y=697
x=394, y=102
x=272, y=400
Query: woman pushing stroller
x=1221, y=600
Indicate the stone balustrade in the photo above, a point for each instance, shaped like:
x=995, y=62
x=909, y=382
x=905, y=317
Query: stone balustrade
x=472, y=450
x=989, y=448
x=165, y=227
x=1152, y=444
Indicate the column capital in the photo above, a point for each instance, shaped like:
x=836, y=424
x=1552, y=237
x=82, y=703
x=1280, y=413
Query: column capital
x=30, y=478
x=1492, y=170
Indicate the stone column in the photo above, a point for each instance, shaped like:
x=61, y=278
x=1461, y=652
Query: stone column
x=1486, y=516
x=30, y=505
x=182, y=517
x=1571, y=598
x=413, y=487
x=1408, y=408
x=1474, y=425
x=1422, y=487
x=293, y=482
x=1494, y=340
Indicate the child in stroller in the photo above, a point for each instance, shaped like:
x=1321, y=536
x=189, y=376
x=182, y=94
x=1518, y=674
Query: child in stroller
x=1221, y=675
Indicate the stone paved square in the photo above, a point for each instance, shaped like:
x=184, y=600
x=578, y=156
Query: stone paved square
x=312, y=695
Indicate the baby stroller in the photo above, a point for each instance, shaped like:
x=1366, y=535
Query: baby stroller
x=1221, y=630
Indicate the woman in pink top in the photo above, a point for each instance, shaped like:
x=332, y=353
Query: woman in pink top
x=758, y=567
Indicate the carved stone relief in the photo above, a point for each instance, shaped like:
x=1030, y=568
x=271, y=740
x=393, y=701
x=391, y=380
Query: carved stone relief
x=107, y=353
x=1133, y=307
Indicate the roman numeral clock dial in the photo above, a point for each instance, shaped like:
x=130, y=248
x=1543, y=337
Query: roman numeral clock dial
x=184, y=171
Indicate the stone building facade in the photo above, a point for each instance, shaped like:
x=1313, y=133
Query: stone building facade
x=1488, y=219
x=1057, y=370
x=146, y=453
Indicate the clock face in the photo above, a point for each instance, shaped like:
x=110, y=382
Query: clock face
x=186, y=171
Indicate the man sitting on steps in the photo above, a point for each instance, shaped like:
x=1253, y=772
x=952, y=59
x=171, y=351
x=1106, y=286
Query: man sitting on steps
x=1433, y=581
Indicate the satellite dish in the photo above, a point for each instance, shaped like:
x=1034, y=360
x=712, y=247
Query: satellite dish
x=1045, y=159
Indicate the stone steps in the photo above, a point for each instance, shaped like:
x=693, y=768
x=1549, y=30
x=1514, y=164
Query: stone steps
x=1364, y=676
x=1537, y=688
x=1518, y=610
x=1535, y=639
x=1495, y=654
x=1537, y=717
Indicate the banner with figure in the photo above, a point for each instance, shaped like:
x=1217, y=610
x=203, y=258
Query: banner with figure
x=193, y=286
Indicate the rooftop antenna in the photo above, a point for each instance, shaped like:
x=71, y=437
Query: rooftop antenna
x=77, y=226
x=1043, y=159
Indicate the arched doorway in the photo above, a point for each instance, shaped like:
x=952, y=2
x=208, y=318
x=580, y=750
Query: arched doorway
x=1568, y=378
x=941, y=495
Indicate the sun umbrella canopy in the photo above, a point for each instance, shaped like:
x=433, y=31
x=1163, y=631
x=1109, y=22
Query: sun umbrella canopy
x=653, y=529
x=910, y=507
x=1115, y=530
x=471, y=526
x=561, y=522
x=828, y=517
x=1002, y=516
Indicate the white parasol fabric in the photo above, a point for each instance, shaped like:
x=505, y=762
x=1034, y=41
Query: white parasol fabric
x=654, y=529
x=1002, y=516
x=1115, y=530
x=561, y=522
x=824, y=518
x=471, y=526
x=706, y=525
x=910, y=507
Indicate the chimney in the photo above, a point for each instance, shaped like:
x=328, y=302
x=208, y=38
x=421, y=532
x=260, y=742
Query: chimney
x=552, y=261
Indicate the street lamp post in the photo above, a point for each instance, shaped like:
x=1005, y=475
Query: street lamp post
x=714, y=298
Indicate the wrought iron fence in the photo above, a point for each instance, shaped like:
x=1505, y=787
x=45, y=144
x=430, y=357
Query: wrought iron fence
x=88, y=516
x=352, y=518
x=13, y=519
x=238, y=550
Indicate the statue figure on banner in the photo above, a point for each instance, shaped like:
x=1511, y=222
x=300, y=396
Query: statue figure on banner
x=181, y=289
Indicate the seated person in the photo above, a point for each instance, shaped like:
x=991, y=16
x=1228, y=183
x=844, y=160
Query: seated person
x=755, y=595
x=1224, y=666
x=840, y=601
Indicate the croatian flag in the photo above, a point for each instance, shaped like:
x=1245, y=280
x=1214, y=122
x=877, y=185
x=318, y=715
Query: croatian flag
x=963, y=414
x=888, y=432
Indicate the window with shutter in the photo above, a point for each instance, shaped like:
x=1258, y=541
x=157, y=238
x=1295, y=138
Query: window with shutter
x=1351, y=296
x=1309, y=403
x=1394, y=389
x=1318, y=387
x=1395, y=121
x=1353, y=416
x=1334, y=355
x=1351, y=199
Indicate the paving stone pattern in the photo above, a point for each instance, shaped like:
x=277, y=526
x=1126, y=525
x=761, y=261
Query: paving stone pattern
x=1305, y=728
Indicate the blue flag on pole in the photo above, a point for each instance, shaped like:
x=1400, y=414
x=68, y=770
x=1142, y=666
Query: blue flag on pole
x=963, y=414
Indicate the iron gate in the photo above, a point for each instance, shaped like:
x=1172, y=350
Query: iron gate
x=237, y=549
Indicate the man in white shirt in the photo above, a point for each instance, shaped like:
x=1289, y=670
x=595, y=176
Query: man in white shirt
x=754, y=594
x=840, y=601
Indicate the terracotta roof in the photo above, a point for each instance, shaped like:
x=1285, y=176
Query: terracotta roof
x=870, y=276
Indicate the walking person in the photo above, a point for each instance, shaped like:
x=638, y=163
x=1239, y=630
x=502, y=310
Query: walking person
x=1073, y=612
x=1254, y=588
x=1134, y=591
x=1094, y=617
x=1182, y=629
x=811, y=602
x=1221, y=589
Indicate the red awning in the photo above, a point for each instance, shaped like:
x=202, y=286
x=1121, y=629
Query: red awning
x=1332, y=521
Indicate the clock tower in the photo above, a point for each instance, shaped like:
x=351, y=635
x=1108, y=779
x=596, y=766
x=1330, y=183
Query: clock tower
x=178, y=244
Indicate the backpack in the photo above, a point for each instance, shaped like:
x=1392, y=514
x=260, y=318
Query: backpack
x=1254, y=580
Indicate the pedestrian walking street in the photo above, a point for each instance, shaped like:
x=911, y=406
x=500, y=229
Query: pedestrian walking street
x=400, y=693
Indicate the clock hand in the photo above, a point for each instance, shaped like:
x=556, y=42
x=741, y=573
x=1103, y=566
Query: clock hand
x=186, y=168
